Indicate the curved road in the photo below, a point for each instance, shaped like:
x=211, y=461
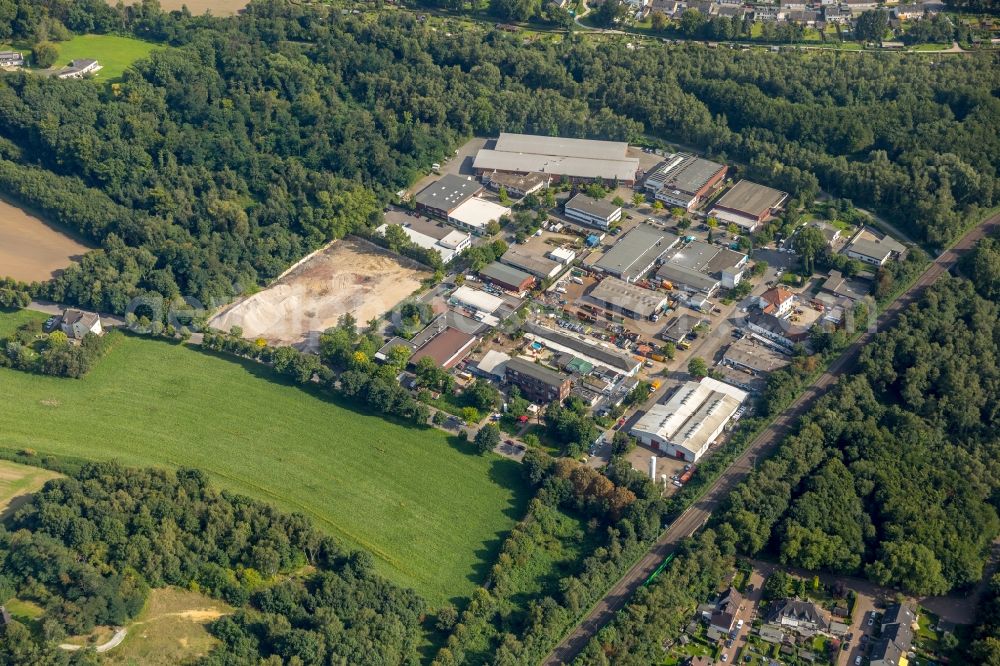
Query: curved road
x=698, y=514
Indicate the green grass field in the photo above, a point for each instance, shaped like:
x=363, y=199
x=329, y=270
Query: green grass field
x=10, y=320
x=432, y=513
x=114, y=53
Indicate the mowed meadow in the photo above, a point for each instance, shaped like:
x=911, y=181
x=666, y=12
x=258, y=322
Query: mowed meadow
x=431, y=512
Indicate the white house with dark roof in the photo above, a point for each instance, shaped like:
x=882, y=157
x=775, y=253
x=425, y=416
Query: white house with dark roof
x=77, y=323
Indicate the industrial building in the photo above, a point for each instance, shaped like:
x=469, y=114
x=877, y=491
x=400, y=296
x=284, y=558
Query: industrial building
x=871, y=247
x=591, y=352
x=446, y=241
x=592, y=211
x=475, y=215
x=779, y=331
x=516, y=184
x=748, y=204
x=475, y=299
x=492, y=365
x=443, y=196
x=540, y=266
x=680, y=327
x=755, y=358
x=536, y=382
x=636, y=253
x=691, y=420
x=507, y=277
x=578, y=160
x=632, y=301
x=684, y=180
x=700, y=268
x=447, y=348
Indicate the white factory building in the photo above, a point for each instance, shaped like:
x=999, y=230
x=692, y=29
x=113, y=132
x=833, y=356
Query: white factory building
x=475, y=214
x=685, y=426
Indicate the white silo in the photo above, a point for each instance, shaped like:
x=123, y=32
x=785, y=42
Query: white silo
x=652, y=467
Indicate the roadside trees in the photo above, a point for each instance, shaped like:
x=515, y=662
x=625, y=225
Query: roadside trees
x=487, y=438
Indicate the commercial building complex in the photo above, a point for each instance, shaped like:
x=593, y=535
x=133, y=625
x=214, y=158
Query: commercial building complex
x=687, y=424
x=507, y=277
x=579, y=160
x=754, y=357
x=636, y=252
x=475, y=215
x=748, y=204
x=536, y=382
x=446, y=241
x=871, y=247
x=538, y=265
x=684, y=180
x=595, y=354
x=632, y=301
x=443, y=196
x=476, y=300
x=592, y=211
x=699, y=269
x=446, y=349
x=516, y=184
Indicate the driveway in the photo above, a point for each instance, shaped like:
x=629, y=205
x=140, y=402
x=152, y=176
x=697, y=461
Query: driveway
x=747, y=613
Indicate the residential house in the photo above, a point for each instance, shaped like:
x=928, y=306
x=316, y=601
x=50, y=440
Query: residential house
x=11, y=59
x=722, y=619
x=766, y=13
x=776, y=301
x=78, y=69
x=76, y=324
x=897, y=636
x=802, y=617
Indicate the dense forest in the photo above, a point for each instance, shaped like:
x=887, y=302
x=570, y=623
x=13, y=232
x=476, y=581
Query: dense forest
x=892, y=475
x=88, y=548
x=216, y=163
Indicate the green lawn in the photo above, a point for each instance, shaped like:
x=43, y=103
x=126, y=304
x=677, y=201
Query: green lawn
x=432, y=513
x=10, y=320
x=113, y=52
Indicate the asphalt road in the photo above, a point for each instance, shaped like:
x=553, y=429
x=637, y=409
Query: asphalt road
x=698, y=514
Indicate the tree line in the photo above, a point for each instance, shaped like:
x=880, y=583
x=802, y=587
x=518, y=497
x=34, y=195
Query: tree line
x=253, y=140
x=88, y=548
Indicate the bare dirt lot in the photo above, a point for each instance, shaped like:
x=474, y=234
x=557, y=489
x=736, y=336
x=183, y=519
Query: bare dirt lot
x=348, y=276
x=31, y=249
x=199, y=7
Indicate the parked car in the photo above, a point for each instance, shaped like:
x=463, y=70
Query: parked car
x=857, y=660
x=729, y=643
x=845, y=646
x=739, y=624
x=725, y=657
x=50, y=324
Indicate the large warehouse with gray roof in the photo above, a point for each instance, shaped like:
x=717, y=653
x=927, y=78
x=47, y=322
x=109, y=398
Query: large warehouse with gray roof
x=636, y=252
x=580, y=160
